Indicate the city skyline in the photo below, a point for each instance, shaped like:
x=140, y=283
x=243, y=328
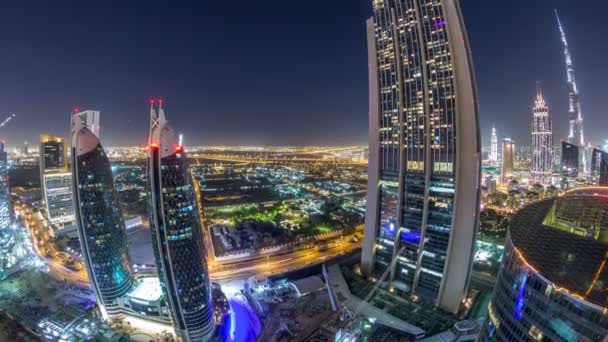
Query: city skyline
x=367, y=170
x=330, y=81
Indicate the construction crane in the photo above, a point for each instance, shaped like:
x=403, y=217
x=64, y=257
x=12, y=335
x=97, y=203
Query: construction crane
x=7, y=120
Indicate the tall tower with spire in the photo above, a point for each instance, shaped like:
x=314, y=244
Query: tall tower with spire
x=177, y=238
x=494, y=146
x=575, y=135
x=542, y=140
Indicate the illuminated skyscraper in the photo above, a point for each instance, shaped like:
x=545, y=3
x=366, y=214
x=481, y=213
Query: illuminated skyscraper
x=575, y=135
x=425, y=154
x=101, y=227
x=177, y=237
x=6, y=211
x=508, y=152
x=56, y=180
x=542, y=141
x=552, y=282
x=58, y=197
x=603, y=170
x=494, y=146
x=15, y=248
x=570, y=158
x=599, y=167
x=53, y=154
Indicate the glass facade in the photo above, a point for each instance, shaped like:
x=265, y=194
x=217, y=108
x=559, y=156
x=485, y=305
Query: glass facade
x=599, y=167
x=570, y=155
x=508, y=156
x=56, y=180
x=527, y=307
x=52, y=153
x=551, y=285
x=101, y=226
x=58, y=197
x=417, y=131
x=177, y=237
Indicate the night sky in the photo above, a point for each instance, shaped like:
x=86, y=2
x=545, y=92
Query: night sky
x=272, y=72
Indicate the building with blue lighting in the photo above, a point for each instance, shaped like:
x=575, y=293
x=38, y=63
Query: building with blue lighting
x=177, y=237
x=6, y=210
x=101, y=228
x=15, y=247
x=424, y=152
x=552, y=281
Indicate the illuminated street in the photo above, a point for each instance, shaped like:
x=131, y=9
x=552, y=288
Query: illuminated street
x=274, y=265
x=43, y=246
x=258, y=267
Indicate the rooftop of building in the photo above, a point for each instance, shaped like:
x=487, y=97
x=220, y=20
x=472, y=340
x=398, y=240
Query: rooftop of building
x=583, y=212
x=147, y=289
x=559, y=239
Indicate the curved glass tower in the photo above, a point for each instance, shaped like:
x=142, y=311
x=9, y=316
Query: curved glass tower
x=552, y=281
x=176, y=234
x=101, y=228
x=425, y=154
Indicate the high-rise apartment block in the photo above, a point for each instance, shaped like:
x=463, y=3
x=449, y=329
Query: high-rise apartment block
x=494, y=146
x=6, y=209
x=424, y=154
x=56, y=180
x=508, y=155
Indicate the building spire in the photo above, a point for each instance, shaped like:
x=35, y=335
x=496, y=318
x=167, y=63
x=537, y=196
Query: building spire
x=561, y=29
x=575, y=134
x=161, y=111
x=540, y=99
x=152, y=111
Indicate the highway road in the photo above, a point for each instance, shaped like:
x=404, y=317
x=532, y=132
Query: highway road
x=45, y=248
x=260, y=267
x=278, y=264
